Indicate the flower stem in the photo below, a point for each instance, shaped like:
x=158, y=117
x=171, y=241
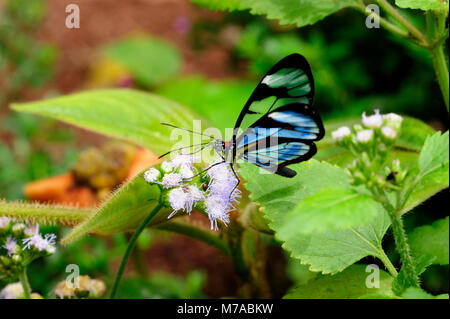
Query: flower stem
x=401, y=243
x=440, y=67
x=25, y=284
x=403, y=21
x=130, y=247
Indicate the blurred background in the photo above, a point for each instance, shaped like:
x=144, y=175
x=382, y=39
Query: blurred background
x=209, y=61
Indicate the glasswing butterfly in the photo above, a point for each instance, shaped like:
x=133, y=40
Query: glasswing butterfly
x=278, y=121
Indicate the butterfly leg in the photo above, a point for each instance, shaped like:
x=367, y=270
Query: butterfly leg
x=238, y=180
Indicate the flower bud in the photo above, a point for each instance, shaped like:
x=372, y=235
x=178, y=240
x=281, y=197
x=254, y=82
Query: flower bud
x=339, y=134
x=372, y=121
x=364, y=136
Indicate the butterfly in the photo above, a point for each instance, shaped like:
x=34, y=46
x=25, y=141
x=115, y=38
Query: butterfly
x=278, y=125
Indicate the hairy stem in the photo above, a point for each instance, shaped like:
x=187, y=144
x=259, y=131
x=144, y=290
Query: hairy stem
x=130, y=247
x=440, y=67
x=25, y=284
x=401, y=243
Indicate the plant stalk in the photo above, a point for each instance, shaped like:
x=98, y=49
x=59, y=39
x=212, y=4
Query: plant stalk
x=387, y=263
x=25, y=284
x=130, y=247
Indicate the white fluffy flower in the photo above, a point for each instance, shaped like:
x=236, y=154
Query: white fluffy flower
x=151, y=175
x=393, y=120
x=372, y=121
x=12, y=291
x=194, y=196
x=4, y=221
x=178, y=200
x=389, y=132
x=40, y=243
x=171, y=180
x=217, y=209
x=183, y=160
x=340, y=133
x=10, y=246
x=167, y=166
x=31, y=230
x=364, y=136
x=186, y=172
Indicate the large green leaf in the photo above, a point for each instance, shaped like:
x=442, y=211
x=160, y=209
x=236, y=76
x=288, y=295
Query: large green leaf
x=431, y=241
x=123, y=211
x=128, y=114
x=433, y=174
x=422, y=4
x=350, y=283
x=218, y=101
x=328, y=252
x=299, y=12
x=329, y=210
x=150, y=60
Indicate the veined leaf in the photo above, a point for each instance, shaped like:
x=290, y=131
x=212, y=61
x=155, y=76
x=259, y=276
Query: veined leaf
x=127, y=114
x=330, y=210
x=431, y=241
x=150, y=60
x=433, y=175
x=422, y=4
x=348, y=284
x=328, y=252
x=300, y=12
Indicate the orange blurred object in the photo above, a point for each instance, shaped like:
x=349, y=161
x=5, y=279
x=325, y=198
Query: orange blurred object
x=63, y=189
x=143, y=159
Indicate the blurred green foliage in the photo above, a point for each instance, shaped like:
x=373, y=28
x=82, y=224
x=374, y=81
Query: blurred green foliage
x=23, y=61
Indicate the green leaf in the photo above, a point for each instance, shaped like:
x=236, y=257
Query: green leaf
x=434, y=170
x=124, y=210
x=228, y=98
x=329, y=210
x=417, y=293
x=127, y=114
x=431, y=241
x=300, y=12
x=350, y=283
x=422, y=4
x=150, y=60
x=401, y=282
x=329, y=252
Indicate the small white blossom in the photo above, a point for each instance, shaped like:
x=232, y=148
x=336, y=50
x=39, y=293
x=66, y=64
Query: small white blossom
x=393, y=120
x=40, y=243
x=372, y=121
x=364, y=136
x=194, y=196
x=31, y=230
x=151, y=175
x=183, y=160
x=178, y=200
x=4, y=221
x=12, y=291
x=340, y=133
x=171, y=180
x=217, y=209
x=186, y=172
x=389, y=132
x=10, y=246
x=167, y=166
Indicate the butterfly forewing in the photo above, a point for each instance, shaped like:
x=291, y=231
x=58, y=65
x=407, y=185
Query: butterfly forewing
x=279, y=122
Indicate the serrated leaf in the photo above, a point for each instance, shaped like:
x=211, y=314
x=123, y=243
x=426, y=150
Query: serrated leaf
x=422, y=4
x=326, y=252
x=151, y=61
x=348, y=284
x=431, y=241
x=433, y=176
x=300, y=12
x=123, y=211
x=330, y=210
x=127, y=114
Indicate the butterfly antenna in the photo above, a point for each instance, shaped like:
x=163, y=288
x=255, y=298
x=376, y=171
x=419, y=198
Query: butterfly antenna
x=184, y=129
x=182, y=148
